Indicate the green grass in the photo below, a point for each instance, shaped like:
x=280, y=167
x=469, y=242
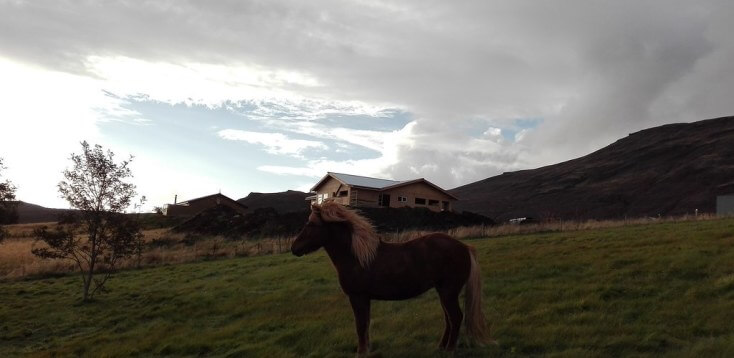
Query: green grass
x=648, y=290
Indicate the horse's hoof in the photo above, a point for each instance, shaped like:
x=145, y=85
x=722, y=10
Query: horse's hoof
x=445, y=352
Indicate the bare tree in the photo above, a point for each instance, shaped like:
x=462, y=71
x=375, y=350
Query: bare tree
x=139, y=242
x=98, y=235
x=8, y=215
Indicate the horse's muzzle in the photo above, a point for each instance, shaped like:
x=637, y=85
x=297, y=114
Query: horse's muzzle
x=296, y=252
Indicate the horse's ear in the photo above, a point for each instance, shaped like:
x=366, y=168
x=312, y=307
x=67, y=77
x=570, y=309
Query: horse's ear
x=315, y=208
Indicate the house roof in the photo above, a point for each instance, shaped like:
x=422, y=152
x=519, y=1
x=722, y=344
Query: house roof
x=188, y=202
x=356, y=180
x=375, y=183
x=419, y=180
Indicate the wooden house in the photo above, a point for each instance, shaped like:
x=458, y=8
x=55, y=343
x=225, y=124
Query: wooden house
x=194, y=206
x=360, y=191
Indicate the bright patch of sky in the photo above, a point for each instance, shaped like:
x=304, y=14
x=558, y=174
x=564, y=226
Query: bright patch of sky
x=507, y=131
x=244, y=96
x=186, y=142
x=238, y=150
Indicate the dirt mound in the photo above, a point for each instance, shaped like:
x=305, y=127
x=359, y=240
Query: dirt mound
x=401, y=219
x=284, y=202
x=223, y=221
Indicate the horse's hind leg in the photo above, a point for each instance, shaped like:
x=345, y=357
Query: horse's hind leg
x=446, y=331
x=450, y=301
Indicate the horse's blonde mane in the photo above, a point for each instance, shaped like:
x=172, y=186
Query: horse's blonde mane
x=364, y=238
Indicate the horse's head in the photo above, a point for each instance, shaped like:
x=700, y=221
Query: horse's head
x=312, y=236
x=334, y=226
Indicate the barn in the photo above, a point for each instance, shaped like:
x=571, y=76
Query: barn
x=361, y=191
x=194, y=206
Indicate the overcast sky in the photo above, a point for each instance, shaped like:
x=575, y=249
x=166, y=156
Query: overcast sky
x=266, y=96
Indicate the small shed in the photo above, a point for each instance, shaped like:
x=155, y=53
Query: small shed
x=725, y=205
x=194, y=206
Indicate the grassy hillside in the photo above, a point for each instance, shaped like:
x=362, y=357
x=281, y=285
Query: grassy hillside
x=670, y=170
x=643, y=290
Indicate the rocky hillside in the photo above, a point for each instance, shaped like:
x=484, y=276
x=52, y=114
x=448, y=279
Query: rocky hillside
x=667, y=170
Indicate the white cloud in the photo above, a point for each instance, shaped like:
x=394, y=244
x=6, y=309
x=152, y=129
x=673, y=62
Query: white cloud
x=285, y=170
x=492, y=132
x=370, y=139
x=190, y=82
x=274, y=143
x=389, y=145
x=275, y=94
x=317, y=168
x=520, y=135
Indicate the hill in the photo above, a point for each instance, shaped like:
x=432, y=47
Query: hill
x=31, y=213
x=667, y=170
x=644, y=291
x=283, y=202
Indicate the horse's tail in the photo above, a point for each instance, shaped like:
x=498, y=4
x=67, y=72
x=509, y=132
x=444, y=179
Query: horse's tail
x=476, y=327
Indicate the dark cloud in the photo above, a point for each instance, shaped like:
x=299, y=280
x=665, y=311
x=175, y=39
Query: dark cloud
x=592, y=70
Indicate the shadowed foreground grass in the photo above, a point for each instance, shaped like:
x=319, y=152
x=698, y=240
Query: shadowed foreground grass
x=643, y=290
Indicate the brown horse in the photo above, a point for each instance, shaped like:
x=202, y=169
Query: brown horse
x=369, y=268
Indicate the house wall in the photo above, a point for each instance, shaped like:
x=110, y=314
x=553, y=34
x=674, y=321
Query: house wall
x=331, y=186
x=359, y=197
x=725, y=205
x=363, y=197
x=419, y=190
x=180, y=210
x=200, y=205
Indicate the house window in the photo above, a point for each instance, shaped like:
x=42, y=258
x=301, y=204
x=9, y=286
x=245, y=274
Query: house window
x=343, y=193
x=383, y=200
x=321, y=197
x=402, y=199
x=420, y=201
x=432, y=202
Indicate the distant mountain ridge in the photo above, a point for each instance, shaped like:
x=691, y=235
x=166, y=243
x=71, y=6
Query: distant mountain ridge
x=31, y=213
x=667, y=170
x=283, y=202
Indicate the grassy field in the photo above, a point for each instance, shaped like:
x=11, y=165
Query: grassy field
x=162, y=247
x=639, y=290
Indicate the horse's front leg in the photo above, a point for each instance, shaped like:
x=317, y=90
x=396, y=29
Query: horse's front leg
x=361, y=308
